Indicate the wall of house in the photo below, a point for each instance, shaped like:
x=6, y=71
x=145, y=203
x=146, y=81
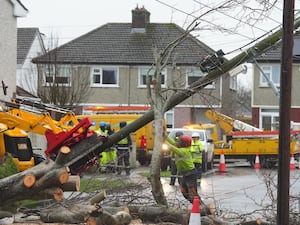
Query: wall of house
x=129, y=92
x=182, y=116
x=264, y=96
x=27, y=72
x=8, y=45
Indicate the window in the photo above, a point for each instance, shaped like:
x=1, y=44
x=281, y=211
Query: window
x=269, y=119
x=194, y=74
x=169, y=117
x=57, y=75
x=233, y=83
x=149, y=72
x=104, y=76
x=270, y=72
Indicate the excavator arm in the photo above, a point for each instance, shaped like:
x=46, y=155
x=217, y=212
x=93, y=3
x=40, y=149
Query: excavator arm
x=229, y=124
x=68, y=131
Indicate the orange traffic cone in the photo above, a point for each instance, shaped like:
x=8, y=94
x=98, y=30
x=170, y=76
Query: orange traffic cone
x=195, y=217
x=222, y=165
x=257, y=163
x=292, y=162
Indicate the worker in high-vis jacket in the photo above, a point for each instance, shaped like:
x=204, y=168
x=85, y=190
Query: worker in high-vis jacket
x=173, y=168
x=197, y=151
x=102, y=131
x=185, y=166
x=123, y=152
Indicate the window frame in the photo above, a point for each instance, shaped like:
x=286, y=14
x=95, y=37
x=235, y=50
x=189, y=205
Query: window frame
x=273, y=114
x=191, y=70
x=140, y=78
x=51, y=72
x=101, y=69
x=269, y=70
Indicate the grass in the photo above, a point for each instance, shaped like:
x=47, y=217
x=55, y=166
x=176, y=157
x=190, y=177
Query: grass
x=91, y=185
x=166, y=173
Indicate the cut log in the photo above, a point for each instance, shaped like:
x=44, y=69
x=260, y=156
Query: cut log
x=73, y=184
x=61, y=158
x=51, y=193
x=29, y=180
x=98, y=198
x=84, y=213
x=157, y=214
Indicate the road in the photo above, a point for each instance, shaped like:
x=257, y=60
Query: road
x=241, y=189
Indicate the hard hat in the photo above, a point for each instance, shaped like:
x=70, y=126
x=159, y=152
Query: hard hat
x=195, y=134
x=123, y=124
x=185, y=141
x=102, y=124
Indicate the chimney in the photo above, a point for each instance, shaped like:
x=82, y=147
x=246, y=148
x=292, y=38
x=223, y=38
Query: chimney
x=140, y=20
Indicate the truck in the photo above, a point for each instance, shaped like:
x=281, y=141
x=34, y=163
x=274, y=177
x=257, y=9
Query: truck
x=244, y=141
x=143, y=137
x=206, y=140
x=19, y=117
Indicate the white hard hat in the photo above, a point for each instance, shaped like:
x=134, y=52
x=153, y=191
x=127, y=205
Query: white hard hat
x=195, y=134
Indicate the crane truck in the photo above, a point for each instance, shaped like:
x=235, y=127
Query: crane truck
x=243, y=141
x=21, y=116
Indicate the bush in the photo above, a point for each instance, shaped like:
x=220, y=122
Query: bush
x=8, y=167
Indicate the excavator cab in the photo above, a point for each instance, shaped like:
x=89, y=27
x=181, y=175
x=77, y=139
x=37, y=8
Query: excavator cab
x=17, y=143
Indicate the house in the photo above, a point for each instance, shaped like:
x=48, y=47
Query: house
x=266, y=87
x=29, y=45
x=10, y=11
x=114, y=61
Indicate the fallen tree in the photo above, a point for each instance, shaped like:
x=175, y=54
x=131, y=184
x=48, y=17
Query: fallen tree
x=49, y=177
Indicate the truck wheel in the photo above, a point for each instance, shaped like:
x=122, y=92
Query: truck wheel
x=204, y=162
x=210, y=165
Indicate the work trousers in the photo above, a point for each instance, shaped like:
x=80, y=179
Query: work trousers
x=198, y=167
x=173, y=172
x=123, y=160
x=188, y=185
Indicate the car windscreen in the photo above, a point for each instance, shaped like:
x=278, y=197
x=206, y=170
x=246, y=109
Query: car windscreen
x=187, y=132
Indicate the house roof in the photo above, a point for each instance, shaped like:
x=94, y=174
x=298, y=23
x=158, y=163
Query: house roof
x=25, y=40
x=273, y=54
x=115, y=43
x=22, y=92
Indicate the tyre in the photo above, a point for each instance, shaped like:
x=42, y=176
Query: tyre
x=210, y=165
x=38, y=158
x=204, y=162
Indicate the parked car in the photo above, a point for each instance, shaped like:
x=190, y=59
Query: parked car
x=208, y=153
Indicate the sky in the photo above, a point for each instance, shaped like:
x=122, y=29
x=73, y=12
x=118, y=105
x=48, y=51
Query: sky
x=228, y=28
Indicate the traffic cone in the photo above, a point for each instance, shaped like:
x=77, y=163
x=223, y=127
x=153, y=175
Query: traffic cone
x=257, y=163
x=195, y=217
x=222, y=165
x=292, y=162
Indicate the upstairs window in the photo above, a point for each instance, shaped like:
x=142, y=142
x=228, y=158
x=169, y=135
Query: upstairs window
x=194, y=74
x=147, y=72
x=270, y=72
x=104, y=77
x=57, y=75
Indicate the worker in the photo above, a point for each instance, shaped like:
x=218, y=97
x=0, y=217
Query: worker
x=185, y=166
x=102, y=132
x=197, y=151
x=123, y=152
x=110, y=153
x=172, y=164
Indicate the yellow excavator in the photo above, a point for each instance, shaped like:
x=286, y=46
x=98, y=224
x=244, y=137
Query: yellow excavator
x=19, y=117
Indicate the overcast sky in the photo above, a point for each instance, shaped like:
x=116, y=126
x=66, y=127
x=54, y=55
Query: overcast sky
x=69, y=19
